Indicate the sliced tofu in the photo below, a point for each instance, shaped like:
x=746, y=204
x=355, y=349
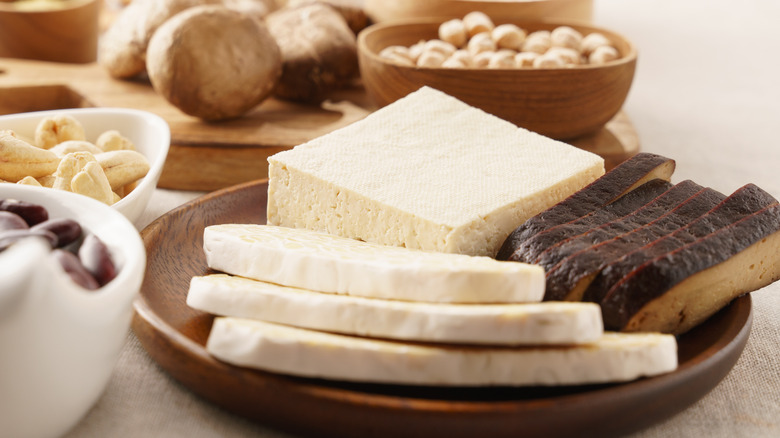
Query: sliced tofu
x=333, y=264
x=497, y=324
x=301, y=352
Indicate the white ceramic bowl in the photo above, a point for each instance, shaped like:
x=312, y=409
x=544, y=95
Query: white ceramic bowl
x=59, y=342
x=149, y=133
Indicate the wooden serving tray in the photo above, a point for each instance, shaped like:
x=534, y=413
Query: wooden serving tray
x=174, y=335
x=209, y=156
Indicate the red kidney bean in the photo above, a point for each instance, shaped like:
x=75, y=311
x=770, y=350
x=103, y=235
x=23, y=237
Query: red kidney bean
x=96, y=258
x=9, y=237
x=88, y=262
x=12, y=221
x=72, y=266
x=31, y=213
x=66, y=230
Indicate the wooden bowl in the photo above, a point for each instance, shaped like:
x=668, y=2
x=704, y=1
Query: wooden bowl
x=561, y=103
x=64, y=34
x=384, y=10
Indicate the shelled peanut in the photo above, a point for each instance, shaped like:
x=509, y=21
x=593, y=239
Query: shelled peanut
x=59, y=157
x=476, y=42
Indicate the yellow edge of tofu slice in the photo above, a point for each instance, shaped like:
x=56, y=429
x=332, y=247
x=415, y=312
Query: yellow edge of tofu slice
x=498, y=324
x=615, y=357
x=328, y=263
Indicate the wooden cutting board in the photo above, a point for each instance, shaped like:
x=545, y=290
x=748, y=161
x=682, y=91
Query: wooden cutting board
x=208, y=156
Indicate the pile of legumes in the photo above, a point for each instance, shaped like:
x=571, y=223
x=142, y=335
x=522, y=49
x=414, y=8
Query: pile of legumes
x=476, y=42
x=82, y=255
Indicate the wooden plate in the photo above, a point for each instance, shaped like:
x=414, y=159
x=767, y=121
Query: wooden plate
x=174, y=335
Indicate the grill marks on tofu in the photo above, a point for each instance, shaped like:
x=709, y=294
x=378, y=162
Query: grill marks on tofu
x=529, y=250
x=656, y=257
x=623, y=179
x=687, y=276
x=579, y=263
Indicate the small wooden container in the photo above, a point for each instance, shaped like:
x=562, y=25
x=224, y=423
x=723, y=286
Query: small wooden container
x=68, y=33
x=528, y=10
x=561, y=103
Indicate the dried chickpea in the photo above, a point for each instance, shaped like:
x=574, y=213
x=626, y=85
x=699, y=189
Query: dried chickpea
x=603, y=54
x=431, y=59
x=592, y=41
x=548, y=61
x=502, y=59
x=477, y=22
x=463, y=56
x=52, y=131
x=482, y=59
x=565, y=36
x=538, y=42
x=454, y=32
x=399, y=59
x=526, y=59
x=397, y=54
x=444, y=47
x=481, y=42
x=568, y=56
x=508, y=36
x=454, y=63
x=416, y=50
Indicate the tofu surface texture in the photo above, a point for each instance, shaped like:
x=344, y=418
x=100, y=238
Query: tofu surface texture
x=615, y=357
x=426, y=172
x=329, y=263
x=495, y=324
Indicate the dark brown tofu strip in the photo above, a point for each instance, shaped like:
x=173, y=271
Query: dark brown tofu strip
x=680, y=280
x=742, y=203
x=530, y=249
x=570, y=279
x=624, y=178
x=658, y=207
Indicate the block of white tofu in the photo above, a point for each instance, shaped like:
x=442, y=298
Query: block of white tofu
x=334, y=264
x=496, y=324
x=615, y=357
x=426, y=172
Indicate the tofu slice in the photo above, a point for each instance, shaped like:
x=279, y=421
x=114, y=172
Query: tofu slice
x=277, y=348
x=327, y=263
x=425, y=172
x=496, y=324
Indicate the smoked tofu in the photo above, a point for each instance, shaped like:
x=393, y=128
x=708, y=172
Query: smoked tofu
x=425, y=172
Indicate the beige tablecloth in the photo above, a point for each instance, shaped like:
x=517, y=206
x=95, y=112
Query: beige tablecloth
x=707, y=93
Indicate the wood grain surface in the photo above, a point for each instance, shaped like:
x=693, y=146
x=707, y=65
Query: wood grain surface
x=174, y=336
x=210, y=156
